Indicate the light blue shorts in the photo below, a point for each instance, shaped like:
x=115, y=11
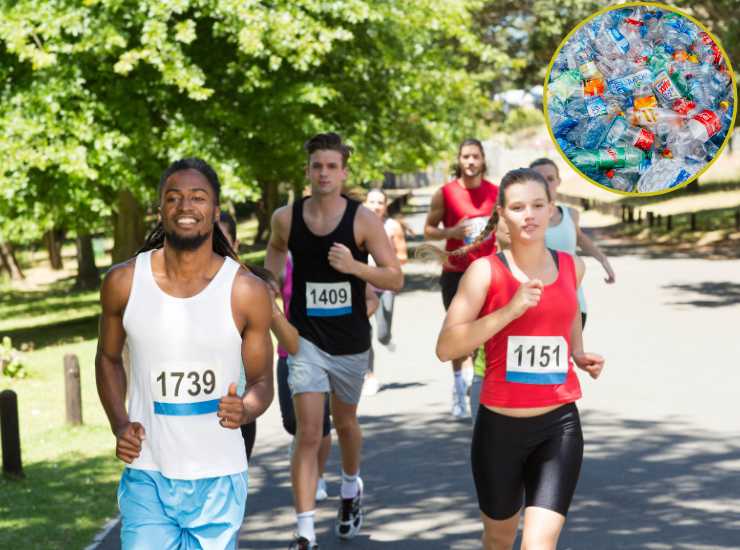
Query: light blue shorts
x=158, y=513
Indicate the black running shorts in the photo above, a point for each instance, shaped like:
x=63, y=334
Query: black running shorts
x=537, y=457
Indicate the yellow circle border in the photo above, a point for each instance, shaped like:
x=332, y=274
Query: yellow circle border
x=545, y=98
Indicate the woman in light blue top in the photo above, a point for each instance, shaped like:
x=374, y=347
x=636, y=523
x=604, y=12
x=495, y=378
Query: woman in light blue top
x=564, y=232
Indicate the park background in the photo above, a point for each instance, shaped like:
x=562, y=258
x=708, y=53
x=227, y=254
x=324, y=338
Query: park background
x=98, y=97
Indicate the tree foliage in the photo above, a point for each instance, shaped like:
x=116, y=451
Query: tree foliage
x=100, y=95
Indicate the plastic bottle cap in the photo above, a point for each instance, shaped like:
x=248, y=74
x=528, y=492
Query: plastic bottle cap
x=610, y=173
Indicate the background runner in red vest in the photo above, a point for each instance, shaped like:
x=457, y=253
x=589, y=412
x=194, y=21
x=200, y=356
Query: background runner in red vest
x=462, y=206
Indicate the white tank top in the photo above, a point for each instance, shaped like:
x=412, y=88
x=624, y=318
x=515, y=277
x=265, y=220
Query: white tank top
x=184, y=354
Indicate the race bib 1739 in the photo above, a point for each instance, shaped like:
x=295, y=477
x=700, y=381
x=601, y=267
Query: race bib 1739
x=183, y=389
x=328, y=299
x=537, y=359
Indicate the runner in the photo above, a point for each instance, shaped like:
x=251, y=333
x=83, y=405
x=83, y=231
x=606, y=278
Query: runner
x=286, y=402
x=564, y=231
x=377, y=201
x=522, y=303
x=329, y=237
x=181, y=304
x=463, y=206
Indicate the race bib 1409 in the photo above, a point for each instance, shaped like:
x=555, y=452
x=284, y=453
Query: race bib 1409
x=328, y=299
x=184, y=389
x=537, y=359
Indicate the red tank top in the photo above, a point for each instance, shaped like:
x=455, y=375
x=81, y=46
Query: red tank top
x=528, y=362
x=476, y=205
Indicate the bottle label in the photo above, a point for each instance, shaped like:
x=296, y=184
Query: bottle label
x=646, y=102
x=683, y=106
x=644, y=139
x=593, y=87
x=619, y=40
x=665, y=87
x=710, y=120
x=628, y=83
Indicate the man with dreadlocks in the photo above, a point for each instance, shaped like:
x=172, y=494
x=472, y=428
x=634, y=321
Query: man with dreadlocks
x=463, y=207
x=329, y=237
x=192, y=318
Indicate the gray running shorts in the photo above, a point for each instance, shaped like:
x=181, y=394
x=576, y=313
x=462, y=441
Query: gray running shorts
x=314, y=370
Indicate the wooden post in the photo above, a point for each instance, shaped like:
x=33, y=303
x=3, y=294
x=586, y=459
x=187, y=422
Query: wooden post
x=692, y=221
x=639, y=216
x=630, y=214
x=73, y=395
x=11, y=438
x=659, y=220
x=650, y=219
x=737, y=219
x=669, y=222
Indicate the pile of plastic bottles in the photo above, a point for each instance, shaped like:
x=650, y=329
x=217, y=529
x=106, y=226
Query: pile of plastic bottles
x=640, y=99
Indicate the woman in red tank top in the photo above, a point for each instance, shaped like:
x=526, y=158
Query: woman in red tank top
x=527, y=446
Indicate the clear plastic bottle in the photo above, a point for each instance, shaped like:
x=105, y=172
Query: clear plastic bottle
x=612, y=43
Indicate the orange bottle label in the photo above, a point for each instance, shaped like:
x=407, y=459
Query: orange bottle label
x=647, y=102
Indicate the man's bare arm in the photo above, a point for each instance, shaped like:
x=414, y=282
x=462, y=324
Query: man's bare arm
x=110, y=376
x=432, y=231
x=386, y=274
x=255, y=308
x=277, y=247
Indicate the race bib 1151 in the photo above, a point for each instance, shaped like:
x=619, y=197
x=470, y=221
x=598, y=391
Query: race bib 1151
x=328, y=299
x=537, y=359
x=184, y=389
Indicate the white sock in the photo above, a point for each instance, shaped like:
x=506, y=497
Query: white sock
x=305, y=525
x=350, y=487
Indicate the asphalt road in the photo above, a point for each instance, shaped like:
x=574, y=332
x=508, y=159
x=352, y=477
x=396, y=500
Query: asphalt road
x=662, y=425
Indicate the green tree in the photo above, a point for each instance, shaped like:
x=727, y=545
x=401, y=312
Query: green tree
x=98, y=96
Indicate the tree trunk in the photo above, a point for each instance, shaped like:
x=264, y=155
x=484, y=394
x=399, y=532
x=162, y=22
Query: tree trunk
x=9, y=263
x=265, y=207
x=54, y=239
x=129, y=229
x=87, y=272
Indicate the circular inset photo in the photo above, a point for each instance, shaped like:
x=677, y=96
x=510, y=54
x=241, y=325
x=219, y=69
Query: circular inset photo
x=640, y=98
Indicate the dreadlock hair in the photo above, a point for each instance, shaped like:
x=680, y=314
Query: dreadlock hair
x=230, y=223
x=544, y=161
x=221, y=245
x=329, y=141
x=479, y=145
x=512, y=177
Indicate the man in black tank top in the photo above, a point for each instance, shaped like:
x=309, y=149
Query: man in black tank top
x=329, y=237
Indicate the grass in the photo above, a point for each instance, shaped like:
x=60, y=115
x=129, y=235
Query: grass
x=718, y=219
x=71, y=472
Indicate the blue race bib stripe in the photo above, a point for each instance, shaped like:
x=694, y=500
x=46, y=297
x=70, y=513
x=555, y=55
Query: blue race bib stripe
x=186, y=409
x=336, y=312
x=534, y=378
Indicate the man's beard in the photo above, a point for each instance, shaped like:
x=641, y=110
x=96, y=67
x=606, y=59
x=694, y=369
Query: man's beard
x=185, y=244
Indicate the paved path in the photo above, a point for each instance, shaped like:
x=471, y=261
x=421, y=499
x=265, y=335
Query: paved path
x=662, y=465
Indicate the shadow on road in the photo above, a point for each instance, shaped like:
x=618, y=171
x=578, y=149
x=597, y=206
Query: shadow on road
x=642, y=486
x=724, y=293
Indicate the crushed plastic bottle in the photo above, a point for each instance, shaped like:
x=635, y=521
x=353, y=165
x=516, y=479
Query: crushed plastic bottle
x=640, y=99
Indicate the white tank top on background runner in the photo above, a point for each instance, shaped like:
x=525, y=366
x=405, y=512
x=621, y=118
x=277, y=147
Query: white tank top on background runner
x=184, y=354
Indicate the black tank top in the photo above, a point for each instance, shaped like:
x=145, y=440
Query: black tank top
x=327, y=307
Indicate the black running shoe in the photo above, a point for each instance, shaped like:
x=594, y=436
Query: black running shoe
x=349, y=517
x=302, y=543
